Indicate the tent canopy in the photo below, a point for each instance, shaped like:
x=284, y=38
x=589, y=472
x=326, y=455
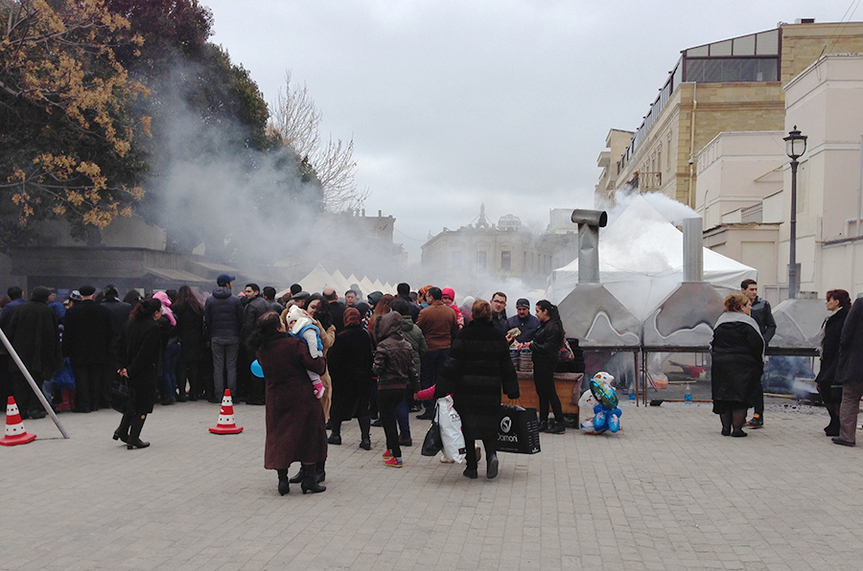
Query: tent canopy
x=641, y=262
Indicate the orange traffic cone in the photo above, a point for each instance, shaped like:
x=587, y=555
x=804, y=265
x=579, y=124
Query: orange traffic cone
x=226, y=417
x=15, y=433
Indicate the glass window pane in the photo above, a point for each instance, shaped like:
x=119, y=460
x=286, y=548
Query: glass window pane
x=767, y=70
x=678, y=76
x=731, y=70
x=747, y=69
x=698, y=52
x=721, y=48
x=744, y=46
x=694, y=70
x=712, y=70
x=767, y=44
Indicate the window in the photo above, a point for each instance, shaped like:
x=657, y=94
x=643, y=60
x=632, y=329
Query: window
x=506, y=260
x=480, y=262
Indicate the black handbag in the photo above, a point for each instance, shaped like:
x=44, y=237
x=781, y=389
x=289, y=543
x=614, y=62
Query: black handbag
x=121, y=394
x=432, y=443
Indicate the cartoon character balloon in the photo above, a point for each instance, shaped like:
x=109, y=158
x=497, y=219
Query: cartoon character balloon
x=602, y=400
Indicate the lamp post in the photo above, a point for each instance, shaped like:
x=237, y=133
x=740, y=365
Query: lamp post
x=795, y=146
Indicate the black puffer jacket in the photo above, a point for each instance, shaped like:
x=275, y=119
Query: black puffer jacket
x=394, y=362
x=224, y=314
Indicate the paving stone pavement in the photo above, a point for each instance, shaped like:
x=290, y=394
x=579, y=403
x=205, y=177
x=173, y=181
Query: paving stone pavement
x=667, y=492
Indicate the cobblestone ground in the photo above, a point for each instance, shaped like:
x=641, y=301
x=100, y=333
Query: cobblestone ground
x=667, y=492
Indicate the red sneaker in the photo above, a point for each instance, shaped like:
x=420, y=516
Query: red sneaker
x=387, y=454
x=393, y=462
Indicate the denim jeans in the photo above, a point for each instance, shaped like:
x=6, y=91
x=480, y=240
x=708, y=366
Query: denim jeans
x=402, y=416
x=430, y=368
x=168, y=376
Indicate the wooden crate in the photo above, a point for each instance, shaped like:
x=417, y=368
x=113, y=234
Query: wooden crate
x=568, y=386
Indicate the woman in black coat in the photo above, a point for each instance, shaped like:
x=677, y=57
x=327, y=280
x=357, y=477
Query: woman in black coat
x=545, y=353
x=477, y=367
x=350, y=364
x=828, y=382
x=139, y=356
x=737, y=352
x=193, y=348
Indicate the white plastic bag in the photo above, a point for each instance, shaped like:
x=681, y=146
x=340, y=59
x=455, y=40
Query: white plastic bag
x=450, y=429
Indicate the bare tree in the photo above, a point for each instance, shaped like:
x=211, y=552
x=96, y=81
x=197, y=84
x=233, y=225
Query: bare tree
x=297, y=120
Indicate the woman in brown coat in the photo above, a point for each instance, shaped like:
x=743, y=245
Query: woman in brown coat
x=294, y=417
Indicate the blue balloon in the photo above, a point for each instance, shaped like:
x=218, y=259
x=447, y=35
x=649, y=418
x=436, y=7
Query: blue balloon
x=257, y=370
x=614, y=423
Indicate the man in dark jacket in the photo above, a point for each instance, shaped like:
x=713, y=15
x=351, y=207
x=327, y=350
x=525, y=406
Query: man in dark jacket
x=498, y=312
x=849, y=371
x=337, y=308
x=524, y=321
x=120, y=311
x=223, y=313
x=34, y=331
x=404, y=292
x=255, y=307
x=763, y=316
x=16, y=294
x=87, y=338
x=269, y=293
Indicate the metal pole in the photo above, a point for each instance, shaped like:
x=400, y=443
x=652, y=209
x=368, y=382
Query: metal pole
x=48, y=408
x=792, y=245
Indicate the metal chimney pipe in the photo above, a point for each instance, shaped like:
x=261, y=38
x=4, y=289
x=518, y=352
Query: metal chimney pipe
x=589, y=222
x=693, y=250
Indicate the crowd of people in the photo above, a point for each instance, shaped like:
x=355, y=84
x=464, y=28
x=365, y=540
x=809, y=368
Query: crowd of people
x=325, y=360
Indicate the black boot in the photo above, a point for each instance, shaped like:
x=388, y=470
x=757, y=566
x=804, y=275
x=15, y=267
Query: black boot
x=491, y=465
x=320, y=471
x=310, y=483
x=135, y=433
x=365, y=427
x=336, y=437
x=300, y=476
x=122, y=432
x=284, y=487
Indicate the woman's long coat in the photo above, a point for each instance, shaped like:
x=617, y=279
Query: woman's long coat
x=350, y=365
x=294, y=417
x=190, y=328
x=477, y=368
x=830, y=349
x=737, y=350
x=139, y=351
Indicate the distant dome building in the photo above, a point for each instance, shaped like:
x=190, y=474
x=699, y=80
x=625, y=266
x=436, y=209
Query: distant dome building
x=509, y=223
x=482, y=252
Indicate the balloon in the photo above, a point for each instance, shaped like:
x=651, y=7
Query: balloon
x=257, y=370
x=603, y=392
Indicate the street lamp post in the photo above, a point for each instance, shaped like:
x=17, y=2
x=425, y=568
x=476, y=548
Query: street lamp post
x=795, y=146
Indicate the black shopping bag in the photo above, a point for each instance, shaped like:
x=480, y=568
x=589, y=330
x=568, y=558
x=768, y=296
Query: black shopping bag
x=518, y=430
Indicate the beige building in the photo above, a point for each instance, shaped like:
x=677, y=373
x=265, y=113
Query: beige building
x=730, y=85
x=744, y=186
x=481, y=253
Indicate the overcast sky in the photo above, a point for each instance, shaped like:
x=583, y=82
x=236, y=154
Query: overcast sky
x=455, y=103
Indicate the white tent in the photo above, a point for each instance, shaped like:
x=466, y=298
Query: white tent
x=641, y=262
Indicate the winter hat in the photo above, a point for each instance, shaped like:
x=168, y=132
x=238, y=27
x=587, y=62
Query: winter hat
x=352, y=317
x=375, y=297
x=299, y=317
x=86, y=290
x=522, y=302
x=166, y=304
x=449, y=292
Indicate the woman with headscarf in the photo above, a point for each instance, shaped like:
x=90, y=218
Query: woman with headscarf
x=139, y=354
x=350, y=365
x=828, y=382
x=737, y=353
x=171, y=351
x=294, y=418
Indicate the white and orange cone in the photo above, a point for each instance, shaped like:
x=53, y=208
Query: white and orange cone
x=226, y=423
x=15, y=433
